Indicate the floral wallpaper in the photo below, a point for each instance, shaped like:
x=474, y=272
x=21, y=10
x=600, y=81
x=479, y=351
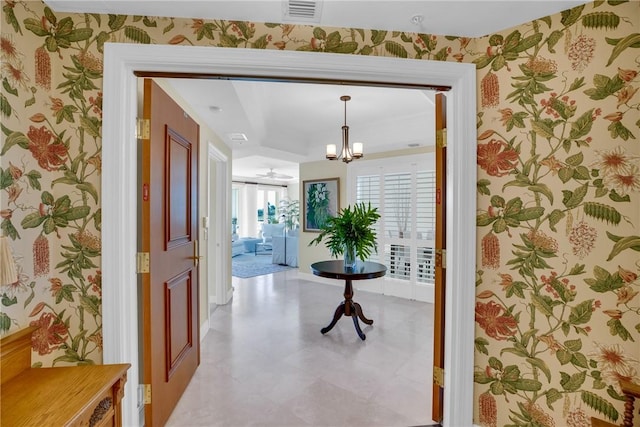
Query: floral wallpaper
x=557, y=305
x=557, y=311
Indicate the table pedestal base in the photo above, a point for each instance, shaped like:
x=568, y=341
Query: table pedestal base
x=349, y=308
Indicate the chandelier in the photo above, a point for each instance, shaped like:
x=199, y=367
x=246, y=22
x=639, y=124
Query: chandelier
x=347, y=153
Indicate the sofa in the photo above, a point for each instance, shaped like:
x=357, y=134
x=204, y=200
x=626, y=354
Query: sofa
x=278, y=245
x=237, y=247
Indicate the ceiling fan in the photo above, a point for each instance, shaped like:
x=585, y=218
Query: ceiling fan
x=273, y=175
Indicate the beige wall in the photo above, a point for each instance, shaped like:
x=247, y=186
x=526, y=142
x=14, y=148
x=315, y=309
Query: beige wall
x=309, y=171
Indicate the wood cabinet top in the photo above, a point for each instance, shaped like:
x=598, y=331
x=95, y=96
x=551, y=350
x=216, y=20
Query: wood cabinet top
x=51, y=396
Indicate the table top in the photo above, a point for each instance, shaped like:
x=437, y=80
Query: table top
x=334, y=269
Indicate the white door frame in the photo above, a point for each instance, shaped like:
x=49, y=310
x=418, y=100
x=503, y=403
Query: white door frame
x=220, y=278
x=119, y=201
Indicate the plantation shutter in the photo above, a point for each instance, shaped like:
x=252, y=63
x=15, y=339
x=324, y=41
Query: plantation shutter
x=398, y=207
x=368, y=191
x=425, y=224
x=406, y=201
x=397, y=219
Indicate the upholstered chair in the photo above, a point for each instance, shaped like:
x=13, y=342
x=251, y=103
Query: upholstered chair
x=269, y=231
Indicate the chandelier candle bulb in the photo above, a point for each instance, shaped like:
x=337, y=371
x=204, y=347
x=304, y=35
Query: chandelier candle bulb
x=358, y=149
x=331, y=151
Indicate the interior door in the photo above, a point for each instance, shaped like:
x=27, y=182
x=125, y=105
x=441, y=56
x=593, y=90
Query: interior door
x=440, y=264
x=169, y=232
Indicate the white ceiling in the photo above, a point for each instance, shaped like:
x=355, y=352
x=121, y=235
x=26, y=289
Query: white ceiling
x=471, y=18
x=289, y=123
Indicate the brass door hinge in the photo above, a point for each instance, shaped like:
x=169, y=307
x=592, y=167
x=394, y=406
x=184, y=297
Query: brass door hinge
x=143, y=128
x=441, y=138
x=147, y=393
x=438, y=376
x=142, y=262
x=441, y=258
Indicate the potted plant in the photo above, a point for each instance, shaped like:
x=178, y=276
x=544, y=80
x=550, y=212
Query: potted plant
x=289, y=212
x=350, y=233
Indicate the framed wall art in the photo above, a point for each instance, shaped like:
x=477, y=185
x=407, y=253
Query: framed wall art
x=321, y=201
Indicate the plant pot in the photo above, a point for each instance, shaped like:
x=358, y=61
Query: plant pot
x=349, y=257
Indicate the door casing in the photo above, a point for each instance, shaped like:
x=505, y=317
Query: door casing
x=120, y=305
x=219, y=199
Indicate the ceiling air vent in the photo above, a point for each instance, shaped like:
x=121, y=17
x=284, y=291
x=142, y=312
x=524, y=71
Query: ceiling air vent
x=302, y=10
x=238, y=137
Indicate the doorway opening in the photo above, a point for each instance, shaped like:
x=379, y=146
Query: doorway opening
x=119, y=195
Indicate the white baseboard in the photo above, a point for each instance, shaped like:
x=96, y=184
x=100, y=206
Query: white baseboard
x=228, y=295
x=225, y=298
x=204, y=329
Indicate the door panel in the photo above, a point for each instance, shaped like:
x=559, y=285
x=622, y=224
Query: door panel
x=169, y=231
x=177, y=184
x=441, y=246
x=179, y=325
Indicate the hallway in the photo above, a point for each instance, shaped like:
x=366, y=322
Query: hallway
x=264, y=361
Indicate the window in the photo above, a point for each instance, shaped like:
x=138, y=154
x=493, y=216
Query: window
x=267, y=201
x=398, y=206
x=253, y=204
x=235, y=207
x=368, y=191
x=425, y=224
x=404, y=193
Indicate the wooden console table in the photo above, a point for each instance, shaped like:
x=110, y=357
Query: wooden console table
x=69, y=396
x=334, y=269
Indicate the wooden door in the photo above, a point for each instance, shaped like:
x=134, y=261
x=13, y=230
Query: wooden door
x=441, y=247
x=169, y=232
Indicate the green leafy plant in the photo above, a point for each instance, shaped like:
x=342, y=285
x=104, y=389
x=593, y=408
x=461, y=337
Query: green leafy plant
x=290, y=212
x=352, y=227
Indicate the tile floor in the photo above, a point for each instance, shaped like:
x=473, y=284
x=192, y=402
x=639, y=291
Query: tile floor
x=264, y=361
